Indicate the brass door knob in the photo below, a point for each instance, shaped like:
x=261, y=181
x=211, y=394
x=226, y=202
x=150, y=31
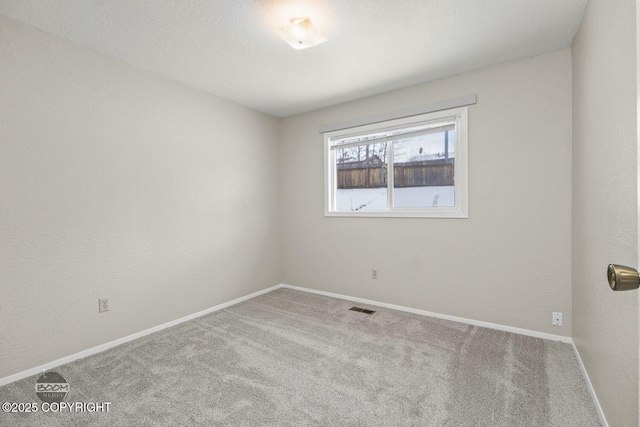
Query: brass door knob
x=622, y=278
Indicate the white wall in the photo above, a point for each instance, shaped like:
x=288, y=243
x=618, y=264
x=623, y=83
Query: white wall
x=509, y=263
x=605, y=228
x=111, y=186
x=118, y=183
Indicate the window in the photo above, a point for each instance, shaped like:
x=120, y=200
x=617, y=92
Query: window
x=409, y=167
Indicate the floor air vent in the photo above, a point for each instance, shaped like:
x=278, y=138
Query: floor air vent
x=362, y=310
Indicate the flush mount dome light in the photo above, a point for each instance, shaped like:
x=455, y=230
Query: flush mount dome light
x=301, y=34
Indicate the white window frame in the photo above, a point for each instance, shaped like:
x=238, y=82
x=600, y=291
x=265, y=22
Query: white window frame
x=458, y=115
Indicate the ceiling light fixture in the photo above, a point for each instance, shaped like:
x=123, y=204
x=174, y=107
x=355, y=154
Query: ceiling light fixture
x=301, y=34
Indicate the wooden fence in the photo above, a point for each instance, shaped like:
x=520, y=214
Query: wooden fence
x=409, y=174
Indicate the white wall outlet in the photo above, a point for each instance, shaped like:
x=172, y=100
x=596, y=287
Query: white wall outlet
x=556, y=319
x=374, y=274
x=103, y=305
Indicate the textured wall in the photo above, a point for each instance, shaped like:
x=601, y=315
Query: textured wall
x=605, y=206
x=115, y=182
x=509, y=263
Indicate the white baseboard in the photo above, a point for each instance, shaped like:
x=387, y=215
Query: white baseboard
x=106, y=346
x=592, y=392
x=520, y=331
x=489, y=325
x=103, y=347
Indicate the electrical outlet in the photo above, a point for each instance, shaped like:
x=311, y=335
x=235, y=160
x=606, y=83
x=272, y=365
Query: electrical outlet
x=374, y=274
x=103, y=305
x=556, y=319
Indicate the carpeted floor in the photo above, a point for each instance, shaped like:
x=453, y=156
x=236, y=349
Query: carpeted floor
x=294, y=358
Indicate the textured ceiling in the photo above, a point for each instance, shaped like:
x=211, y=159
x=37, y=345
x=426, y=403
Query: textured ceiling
x=231, y=47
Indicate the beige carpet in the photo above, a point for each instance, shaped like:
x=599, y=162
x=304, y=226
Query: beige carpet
x=294, y=358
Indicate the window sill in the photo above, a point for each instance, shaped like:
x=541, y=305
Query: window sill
x=453, y=213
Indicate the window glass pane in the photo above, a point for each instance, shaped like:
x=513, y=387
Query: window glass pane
x=361, y=177
x=423, y=169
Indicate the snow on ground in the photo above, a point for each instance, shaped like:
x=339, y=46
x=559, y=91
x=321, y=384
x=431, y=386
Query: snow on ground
x=375, y=199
